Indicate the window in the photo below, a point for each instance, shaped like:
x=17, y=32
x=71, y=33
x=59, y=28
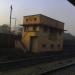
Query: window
x=37, y=28
x=45, y=29
x=44, y=45
x=52, y=30
x=58, y=45
x=29, y=28
x=26, y=28
x=26, y=20
x=35, y=19
x=34, y=28
x=60, y=32
x=52, y=46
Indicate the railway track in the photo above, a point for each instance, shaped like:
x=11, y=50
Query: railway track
x=30, y=61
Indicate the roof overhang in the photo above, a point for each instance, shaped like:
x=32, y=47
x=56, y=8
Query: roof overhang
x=25, y=25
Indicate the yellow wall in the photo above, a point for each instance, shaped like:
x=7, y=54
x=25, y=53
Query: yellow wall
x=41, y=19
x=31, y=20
x=26, y=38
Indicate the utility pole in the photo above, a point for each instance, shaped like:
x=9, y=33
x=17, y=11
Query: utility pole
x=15, y=22
x=10, y=16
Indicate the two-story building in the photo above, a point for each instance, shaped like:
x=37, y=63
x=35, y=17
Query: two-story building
x=41, y=33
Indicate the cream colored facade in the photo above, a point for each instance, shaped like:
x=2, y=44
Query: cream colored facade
x=42, y=34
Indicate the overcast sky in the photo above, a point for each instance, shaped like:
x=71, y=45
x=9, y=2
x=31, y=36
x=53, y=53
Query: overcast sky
x=60, y=10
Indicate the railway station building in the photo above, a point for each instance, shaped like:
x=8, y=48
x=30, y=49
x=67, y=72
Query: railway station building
x=42, y=34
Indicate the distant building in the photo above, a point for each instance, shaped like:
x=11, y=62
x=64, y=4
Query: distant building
x=41, y=33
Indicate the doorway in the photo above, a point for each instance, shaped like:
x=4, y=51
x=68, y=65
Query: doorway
x=33, y=42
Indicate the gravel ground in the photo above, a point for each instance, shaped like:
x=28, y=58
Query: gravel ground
x=65, y=71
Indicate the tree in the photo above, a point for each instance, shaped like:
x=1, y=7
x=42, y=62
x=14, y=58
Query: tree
x=4, y=28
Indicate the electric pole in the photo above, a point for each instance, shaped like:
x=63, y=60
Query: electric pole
x=10, y=16
x=15, y=22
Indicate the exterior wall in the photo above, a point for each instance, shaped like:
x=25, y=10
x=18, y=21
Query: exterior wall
x=44, y=43
x=41, y=19
x=31, y=20
x=51, y=22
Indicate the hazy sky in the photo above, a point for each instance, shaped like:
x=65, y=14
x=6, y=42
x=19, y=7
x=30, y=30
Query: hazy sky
x=60, y=10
